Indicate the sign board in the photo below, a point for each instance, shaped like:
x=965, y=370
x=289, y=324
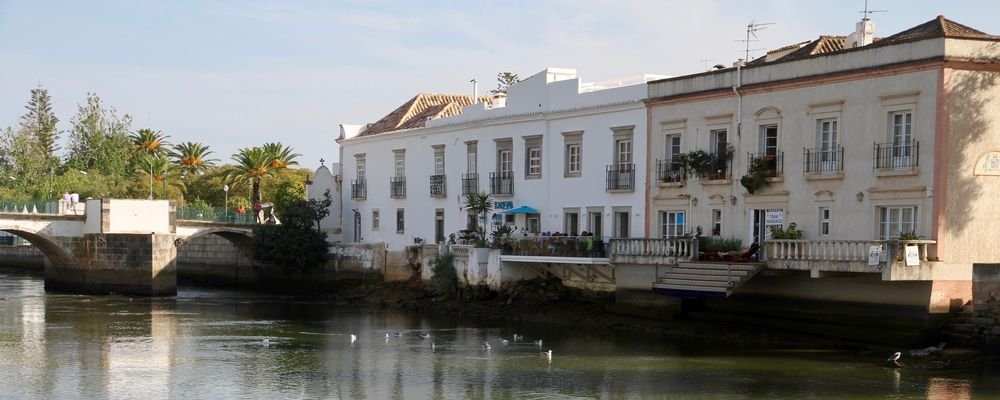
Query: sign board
x=503, y=205
x=774, y=218
x=912, y=255
x=988, y=164
x=874, y=253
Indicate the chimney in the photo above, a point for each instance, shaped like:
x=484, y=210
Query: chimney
x=863, y=35
x=499, y=100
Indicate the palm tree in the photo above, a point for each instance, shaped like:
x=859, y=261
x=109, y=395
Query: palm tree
x=148, y=141
x=480, y=204
x=252, y=164
x=283, y=156
x=156, y=167
x=191, y=158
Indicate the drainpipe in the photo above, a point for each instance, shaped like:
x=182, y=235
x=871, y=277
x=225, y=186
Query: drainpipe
x=739, y=97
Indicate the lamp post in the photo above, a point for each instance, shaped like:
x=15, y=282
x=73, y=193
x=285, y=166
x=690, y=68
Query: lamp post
x=150, y=178
x=51, y=170
x=225, y=203
x=164, y=174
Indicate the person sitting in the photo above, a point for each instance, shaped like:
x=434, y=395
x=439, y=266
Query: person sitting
x=742, y=255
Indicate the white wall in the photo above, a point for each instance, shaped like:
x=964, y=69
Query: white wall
x=138, y=216
x=594, y=115
x=325, y=179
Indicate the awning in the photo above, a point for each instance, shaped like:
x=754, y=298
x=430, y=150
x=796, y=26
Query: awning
x=521, y=210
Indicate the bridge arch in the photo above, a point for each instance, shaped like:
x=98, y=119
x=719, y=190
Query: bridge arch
x=241, y=238
x=53, y=251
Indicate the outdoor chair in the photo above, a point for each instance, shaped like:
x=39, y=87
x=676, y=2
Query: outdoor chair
x=742, y=255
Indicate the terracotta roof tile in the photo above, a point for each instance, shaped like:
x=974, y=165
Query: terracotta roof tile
x=825, y=44
x=935, y=28
x=415, y=112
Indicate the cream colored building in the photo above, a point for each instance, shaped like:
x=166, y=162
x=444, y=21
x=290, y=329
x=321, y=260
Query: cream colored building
x=856, y=142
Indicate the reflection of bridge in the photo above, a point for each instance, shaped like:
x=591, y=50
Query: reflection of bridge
x=122, y=246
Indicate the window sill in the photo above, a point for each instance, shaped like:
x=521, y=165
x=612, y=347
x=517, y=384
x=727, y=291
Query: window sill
x=819, y=176
x=670, y=184
x=574, y=175
x=502, y=194
x=717, y=182
x=774, y=179
x=896, y=172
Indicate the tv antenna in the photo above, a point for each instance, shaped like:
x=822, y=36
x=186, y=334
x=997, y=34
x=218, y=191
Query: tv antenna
x=868, y=12
x=705, y=62
x=752, y=29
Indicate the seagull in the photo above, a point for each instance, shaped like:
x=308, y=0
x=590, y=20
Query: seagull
x=433, y=346
x=518, y=337
x=267, y=342
x=486, y=346
x=538, y=343
x=425, y=335
x=895, y=358
x=504, y=342
x=354, y=338
x=386, y=336
x=547, y=355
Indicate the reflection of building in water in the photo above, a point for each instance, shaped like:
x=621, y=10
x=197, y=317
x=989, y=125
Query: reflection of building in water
x=948, y=388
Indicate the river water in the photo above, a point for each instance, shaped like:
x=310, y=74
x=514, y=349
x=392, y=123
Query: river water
x=217, y=344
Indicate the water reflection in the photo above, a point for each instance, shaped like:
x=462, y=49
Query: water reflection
x=210, y=344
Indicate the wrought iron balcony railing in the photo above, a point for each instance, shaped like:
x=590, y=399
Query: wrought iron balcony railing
x=439, y=186
x=771, y=164
x=359, y=189
x=823, y=160
x=620, y=178
x=896, y=155
x=397, y=187
x=470, y=183
x=502, y=183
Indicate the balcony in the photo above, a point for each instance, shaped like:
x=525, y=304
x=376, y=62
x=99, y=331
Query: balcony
x=720, y=167
x=886, y=257
x=653, y=251
x=555, y=249
x=397, y=187
x=903, y=155
x=470, y=183
x=439, y=186
x=771, y=164
x=502, y=183
x=669, y=171
x=359, y=189
x=620, y=178
x=823, y=160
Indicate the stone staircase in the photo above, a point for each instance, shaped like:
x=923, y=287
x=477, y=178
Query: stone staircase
x=704, y=279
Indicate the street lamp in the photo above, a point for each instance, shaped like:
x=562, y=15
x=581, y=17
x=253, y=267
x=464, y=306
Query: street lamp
x=150, y=178
x=51, y=170
x=164, y=174
x=225, y=203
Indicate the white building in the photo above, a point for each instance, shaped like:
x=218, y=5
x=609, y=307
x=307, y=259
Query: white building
x=323, y=180
x=568, y=155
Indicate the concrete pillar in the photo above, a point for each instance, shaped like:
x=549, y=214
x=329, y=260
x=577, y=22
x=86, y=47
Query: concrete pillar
x=137, y=264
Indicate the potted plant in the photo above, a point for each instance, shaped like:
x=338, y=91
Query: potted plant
x=480, y=204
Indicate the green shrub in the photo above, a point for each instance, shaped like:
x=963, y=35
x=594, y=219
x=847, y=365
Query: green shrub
x=790, y=233
x=444, y=278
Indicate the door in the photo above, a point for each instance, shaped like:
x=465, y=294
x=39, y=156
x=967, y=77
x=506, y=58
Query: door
x=827, y=138
x=439, y=226
x=357, y=226
x=762, y=221
x=902, y=139
x=595, y=224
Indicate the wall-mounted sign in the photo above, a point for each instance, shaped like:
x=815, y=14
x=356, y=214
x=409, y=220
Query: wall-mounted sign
x=774, y=218
x=503, y=205
x=874, y=253
x=912, y=255
x=988, y=164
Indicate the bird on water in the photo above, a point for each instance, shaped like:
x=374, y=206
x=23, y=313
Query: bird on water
x=895, y=358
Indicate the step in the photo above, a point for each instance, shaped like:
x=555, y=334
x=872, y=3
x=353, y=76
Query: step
x=724, y=267
x=692, y=282
x=690, y=288
x=698, y=277
x=716, y=272
x=964, y=328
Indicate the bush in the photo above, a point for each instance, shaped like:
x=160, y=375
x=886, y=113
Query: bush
x=295, y=244
x=444, y=278
x=791, y=233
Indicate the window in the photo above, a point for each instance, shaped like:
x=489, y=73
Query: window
x=533, y=157
x=716, y=222
x=594, y=221
x=533, y=222
x=470, y=157
x=671, y=224
x=673, y=148
x=571, y=224
x=360, y=166
x=623, y=152
x=720, y=144
x=824, y=221
x=439, y=160
x=900, y=126
x=769, y=140
x=400, y=220
x=574, y=159
x=504, y=161
x=400, y=163
x=895, y=220
x=375, y=219
x=534, y=161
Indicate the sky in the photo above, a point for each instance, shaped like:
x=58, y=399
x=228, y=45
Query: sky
x=233, y=74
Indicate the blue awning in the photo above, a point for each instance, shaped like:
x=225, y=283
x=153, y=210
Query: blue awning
x=521, y=210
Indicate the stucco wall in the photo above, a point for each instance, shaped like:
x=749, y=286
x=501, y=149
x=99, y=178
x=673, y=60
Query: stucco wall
x=138, y=216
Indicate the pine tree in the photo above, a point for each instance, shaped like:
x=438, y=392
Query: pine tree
x=39, y=125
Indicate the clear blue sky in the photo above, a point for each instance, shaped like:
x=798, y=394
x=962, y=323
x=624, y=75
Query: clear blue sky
x=233, y=74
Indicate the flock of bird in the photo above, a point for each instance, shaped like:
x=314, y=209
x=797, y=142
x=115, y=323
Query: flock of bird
x=486, y=346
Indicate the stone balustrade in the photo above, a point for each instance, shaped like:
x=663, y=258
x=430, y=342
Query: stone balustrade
x=653, y=251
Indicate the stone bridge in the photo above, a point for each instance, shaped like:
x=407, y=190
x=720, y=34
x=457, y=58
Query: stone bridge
x=117, y=245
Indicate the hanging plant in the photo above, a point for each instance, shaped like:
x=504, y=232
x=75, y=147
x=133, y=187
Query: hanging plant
x=756, y=177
